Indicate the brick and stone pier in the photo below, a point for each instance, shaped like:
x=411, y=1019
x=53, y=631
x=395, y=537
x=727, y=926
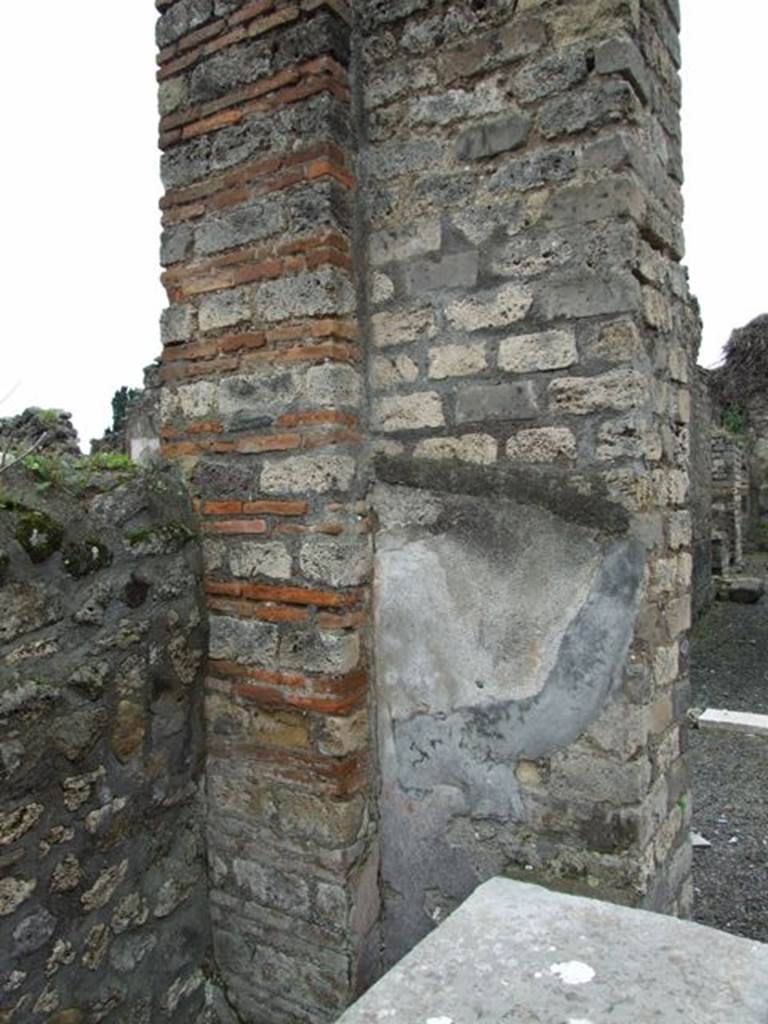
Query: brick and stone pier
x=426, y=365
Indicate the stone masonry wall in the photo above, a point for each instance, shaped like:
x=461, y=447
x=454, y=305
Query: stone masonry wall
x=730, y=496
x=262, y=403
x=427, y=254
x=702, y=424
x=529, y=347
x=103, y=909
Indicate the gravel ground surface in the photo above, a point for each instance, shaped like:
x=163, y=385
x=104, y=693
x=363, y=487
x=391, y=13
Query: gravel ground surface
x=729, y=669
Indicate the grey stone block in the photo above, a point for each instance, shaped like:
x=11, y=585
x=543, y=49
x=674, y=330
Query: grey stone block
x=182, y=18
x=485, y=140
x=611, y=198
x=553, y=74
x=621, y=55
x=585, y=294
x=592, y=107
x=456, y=270
x=557, y=956
x=497, y=402
x=541, y=168
x=240, y=225
x=176, y=324
x=175, y=244
x=244, y=640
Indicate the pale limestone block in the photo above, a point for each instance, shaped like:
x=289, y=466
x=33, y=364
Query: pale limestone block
x=475, y=448
x=398, y=244
x=456, y=360
x=401, y=328
x=496, y=308
x=542, y=444
x=409, y=412
x=527, y=353
x=392, y=371
x=618, y=342
x=618, y=389
x=298, y=473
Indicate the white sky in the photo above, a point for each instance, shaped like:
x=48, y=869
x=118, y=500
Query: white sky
x=80, y=184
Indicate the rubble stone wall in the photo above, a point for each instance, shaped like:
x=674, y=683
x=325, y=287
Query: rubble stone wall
x=103, y=906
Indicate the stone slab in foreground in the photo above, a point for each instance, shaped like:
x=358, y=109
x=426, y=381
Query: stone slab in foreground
x=722, y=720
x=521, y=954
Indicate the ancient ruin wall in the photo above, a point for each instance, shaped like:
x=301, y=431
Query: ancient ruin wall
x=103, y=906
x=427, y=254
x=529, y=347
x=262, y=401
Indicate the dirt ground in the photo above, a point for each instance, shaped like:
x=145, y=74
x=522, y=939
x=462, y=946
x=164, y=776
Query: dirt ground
x=729, y=669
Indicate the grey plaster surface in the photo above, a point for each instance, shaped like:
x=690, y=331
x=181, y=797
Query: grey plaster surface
x=500, y=637
x=520, y=954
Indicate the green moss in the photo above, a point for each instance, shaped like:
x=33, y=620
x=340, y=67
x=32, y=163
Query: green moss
x=735, y=418
x=112, y=461
x=159, y=540
x=79, y=474
x=81, y=559
x=38, y=534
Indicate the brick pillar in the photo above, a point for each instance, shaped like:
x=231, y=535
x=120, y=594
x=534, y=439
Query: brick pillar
x=261, y=402
x=529, y=336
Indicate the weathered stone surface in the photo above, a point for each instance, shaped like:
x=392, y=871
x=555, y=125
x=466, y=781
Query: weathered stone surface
x=447, y=694
x=399, y=328
x=542, y=444
x=497, y=402
x=457, y=360
x=494, y=137
x=586, y=294
x=342, y=561
x=476, y=448
x=556, y=956
x=396, y=245
x=621, y=55
x=14, y=892
x=299, y=473
x=496, y=308
x=618, y=390
x=526, y=353
x=455, y=270
x=242, y=640
x=409, y=412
